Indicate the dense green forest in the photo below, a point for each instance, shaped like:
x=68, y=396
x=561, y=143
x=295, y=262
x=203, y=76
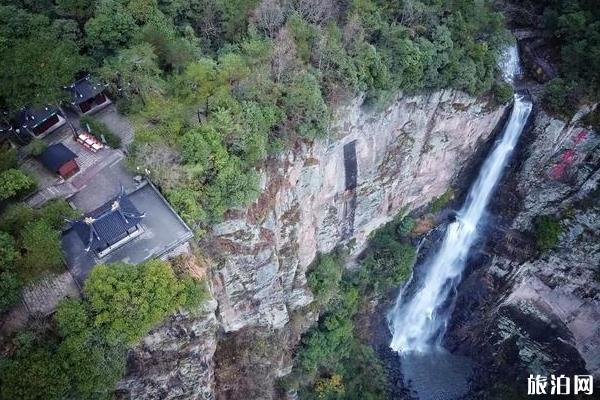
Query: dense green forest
x=80, y=353
x=215, y=86
x=575, y=28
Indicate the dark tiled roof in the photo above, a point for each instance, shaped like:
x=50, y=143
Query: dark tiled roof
x=84, y=89
x=55, y=156
x=31, y=117
x=108, y=224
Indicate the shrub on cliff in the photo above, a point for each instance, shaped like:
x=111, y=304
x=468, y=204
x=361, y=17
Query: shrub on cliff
x=557, y=97
x=547, y=232
x=324, y=278
x=388, y=259
x=503, y=92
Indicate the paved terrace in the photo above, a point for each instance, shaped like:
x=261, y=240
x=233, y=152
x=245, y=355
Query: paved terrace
x=51, y=186
x=163, y=231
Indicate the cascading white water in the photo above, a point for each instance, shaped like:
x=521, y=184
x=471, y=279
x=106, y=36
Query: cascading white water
x=510, y=64
x=418, y=324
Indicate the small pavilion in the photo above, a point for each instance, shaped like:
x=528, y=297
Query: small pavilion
x=59, y=159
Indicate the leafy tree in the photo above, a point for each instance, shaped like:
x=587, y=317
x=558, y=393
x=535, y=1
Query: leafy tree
x=503, y=92
x=42, y=249
x=37, y=235
x=186, y=202
x=33, y=375
x=557, y=97
x=127, y=300
x=204, y=148
x=112, y=27
x=78, y=9
x=93, y=365
x=387, y=263
x=134, y=73
x=26, y=80
x=198, y=83
x=259, y=122
x=8, y=158
x=10, y=288
x=37, y=147
x=304, y=35
x=14, y=182
x=232, y=68
x=406, y=225
x=234, y=14
x=68, y=30
x=173, y=52
x=576, y=28
x=234, y=186
x=72, y=317
x=196, y=292
x=305, y=108
x=41, y=60
x=10, y=284
x=331, y=387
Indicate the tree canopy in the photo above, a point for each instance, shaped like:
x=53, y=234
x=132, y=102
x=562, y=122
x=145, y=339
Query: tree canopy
x=127, y=300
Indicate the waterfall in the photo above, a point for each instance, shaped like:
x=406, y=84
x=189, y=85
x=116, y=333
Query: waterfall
x=510, y=64
x=418, y=323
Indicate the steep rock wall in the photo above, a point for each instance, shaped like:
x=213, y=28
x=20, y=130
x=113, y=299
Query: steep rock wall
x=312, y=202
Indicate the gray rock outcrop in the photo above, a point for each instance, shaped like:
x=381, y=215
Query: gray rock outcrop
x=405, y=156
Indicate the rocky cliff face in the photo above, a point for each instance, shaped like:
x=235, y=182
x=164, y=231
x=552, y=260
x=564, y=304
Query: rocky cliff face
x=175, y=361
x=523, y=311
x=315, y=197
x=338, y=191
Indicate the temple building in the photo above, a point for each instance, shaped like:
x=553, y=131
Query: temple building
x=38, y=121
x=110, y=226
x=59, y=159
x=87, y=96
x=132, y=225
